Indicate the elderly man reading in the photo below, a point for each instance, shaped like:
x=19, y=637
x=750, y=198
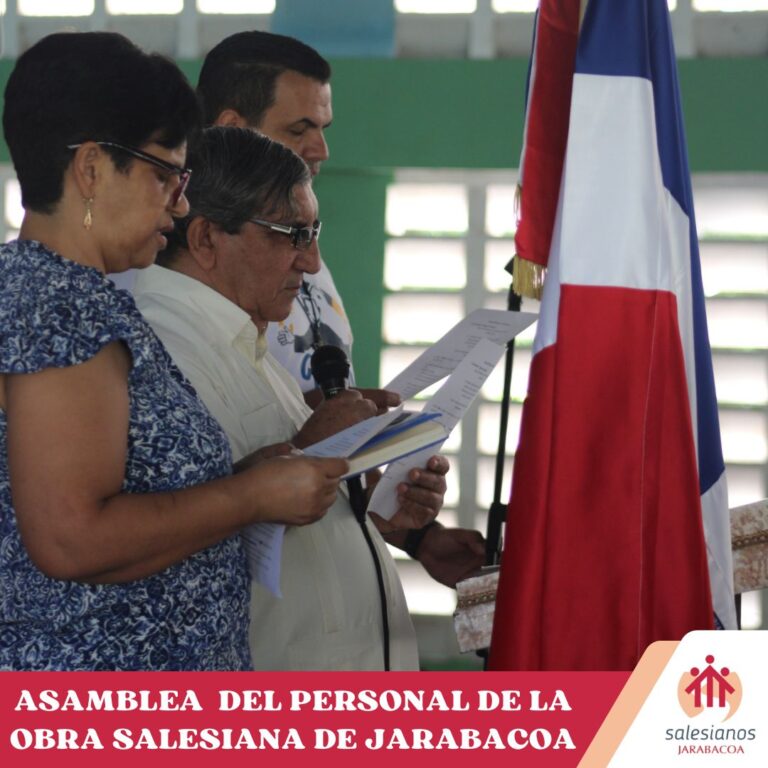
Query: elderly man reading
x=233, y=265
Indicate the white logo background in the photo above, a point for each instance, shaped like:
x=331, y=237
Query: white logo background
x=745, y=653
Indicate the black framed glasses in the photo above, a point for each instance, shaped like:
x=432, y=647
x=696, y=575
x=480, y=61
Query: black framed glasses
x=301, y=237
x=184, y=174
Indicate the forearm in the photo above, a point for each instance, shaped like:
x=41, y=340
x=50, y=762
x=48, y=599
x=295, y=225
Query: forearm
x=130, y=536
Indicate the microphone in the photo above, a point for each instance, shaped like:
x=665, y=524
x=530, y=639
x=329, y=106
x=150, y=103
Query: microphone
x=330, y=370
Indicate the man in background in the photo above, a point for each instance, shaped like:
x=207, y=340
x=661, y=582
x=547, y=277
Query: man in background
x=280, y=87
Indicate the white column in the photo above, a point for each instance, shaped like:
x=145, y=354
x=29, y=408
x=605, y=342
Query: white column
x=187, y=37
x=481, y=44
x=682, y=30
x=9, y=31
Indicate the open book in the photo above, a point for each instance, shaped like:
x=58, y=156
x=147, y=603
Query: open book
x=466, y=355
x=382, y=439
x=399, y=440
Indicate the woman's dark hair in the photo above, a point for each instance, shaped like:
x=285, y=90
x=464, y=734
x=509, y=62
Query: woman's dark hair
x=238, y=174
x=241, y=73
x=73, y=87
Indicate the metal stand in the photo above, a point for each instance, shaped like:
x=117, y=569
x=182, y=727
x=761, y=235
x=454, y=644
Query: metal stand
x=498, y=509
x=497, y=512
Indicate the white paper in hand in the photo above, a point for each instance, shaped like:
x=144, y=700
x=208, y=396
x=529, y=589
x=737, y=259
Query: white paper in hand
x=451, y=402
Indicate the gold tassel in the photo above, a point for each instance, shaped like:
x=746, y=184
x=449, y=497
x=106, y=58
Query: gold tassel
x=88, y=220
x=528, y=278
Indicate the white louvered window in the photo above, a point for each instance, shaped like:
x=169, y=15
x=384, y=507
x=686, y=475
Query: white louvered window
x=61, y=8
x=142, y=7
x=435, y=6
x=235, y=6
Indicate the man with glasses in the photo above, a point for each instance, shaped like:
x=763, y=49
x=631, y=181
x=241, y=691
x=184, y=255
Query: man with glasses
x=280, y=87
x=234, y=264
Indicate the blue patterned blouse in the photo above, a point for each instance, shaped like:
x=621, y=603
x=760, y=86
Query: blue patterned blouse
x=193, y=615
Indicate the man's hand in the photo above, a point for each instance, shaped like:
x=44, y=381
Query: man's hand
x=451, y=554
x=331, y=416
x=382, y=398
x=420, y=499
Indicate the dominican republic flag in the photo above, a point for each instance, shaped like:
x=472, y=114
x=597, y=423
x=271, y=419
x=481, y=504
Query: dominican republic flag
x=618, y=530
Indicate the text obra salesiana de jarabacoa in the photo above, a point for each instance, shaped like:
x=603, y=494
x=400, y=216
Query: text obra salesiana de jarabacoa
x=290, y=738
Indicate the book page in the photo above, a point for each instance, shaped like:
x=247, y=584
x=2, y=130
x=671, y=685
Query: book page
x=496, y=325
x=346, y=442
x=450, y=402
x=396, y=446
x=263, y=543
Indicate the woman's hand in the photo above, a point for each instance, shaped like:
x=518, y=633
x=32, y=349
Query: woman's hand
x=262, y=454
x=295, y=490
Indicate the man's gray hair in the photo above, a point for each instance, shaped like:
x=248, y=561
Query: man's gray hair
x=237, y=174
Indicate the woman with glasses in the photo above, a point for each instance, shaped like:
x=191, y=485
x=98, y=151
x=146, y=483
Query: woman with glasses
x=118, y=507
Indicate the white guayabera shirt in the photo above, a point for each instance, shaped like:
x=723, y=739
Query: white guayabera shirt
x=329, y=614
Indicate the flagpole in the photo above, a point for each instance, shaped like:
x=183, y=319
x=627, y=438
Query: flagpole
x=498, y=510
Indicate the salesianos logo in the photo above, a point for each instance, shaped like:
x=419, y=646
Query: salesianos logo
x=718, y=691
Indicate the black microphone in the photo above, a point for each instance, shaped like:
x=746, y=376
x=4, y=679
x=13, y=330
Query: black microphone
x=330, y=370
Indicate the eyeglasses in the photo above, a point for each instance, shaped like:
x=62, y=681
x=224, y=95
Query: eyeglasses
x=301, y=237
x=184, y=174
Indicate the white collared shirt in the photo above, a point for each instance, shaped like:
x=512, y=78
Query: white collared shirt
x=329, y=615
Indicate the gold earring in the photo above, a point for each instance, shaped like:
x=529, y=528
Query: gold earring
x=88, y=220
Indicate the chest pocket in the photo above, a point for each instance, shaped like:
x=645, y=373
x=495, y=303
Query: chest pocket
x=266, y=425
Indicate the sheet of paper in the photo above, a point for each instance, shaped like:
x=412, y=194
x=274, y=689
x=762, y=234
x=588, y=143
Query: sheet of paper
x=263, y=543
x=496, y=325
x=450, y=402
x=346, y=442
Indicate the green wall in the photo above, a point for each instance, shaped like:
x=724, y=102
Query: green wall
x=352, y=243
x=468, y=114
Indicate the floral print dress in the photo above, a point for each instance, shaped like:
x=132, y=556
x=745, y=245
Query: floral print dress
x=191, y=616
